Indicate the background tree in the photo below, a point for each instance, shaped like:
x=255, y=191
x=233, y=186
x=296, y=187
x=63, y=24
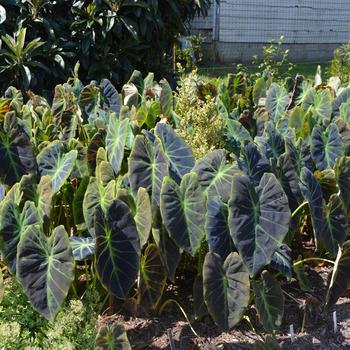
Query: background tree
x=110, y=38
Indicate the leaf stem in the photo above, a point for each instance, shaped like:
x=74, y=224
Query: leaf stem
x=169, y=301
x=302, y=205
x=312, y=259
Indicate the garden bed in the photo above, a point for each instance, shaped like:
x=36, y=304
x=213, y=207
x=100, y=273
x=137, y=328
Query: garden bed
x=148, y=333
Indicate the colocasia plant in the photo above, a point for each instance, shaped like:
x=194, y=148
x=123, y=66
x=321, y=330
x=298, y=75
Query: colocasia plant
x=101, y=183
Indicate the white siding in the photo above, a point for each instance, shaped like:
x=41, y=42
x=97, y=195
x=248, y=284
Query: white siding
x=299, y=21
x=206, y=23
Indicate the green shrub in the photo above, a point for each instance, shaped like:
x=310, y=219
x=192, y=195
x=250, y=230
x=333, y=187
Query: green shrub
x=340, y=65
x=200, y=123
x=21, y=327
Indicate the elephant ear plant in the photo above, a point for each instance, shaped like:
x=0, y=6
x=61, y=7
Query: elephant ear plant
x=99, y=184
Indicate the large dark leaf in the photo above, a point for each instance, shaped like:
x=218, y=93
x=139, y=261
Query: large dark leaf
x=335, y=227
x=45, y=267
x=152, y=278
x=300, y=154
x=147, y=168
x=117, y=248
x=312, y=193
x=215, y=174
x=286, y=173
x=226, y=288
x=111, y=96
x=341, y=276
x=16, y=152
x=253, y=163
x=13, y=223
x=177, y=152
x=274, y=141
x=258, y=219
x=216, y=227
x=326, y=147
x=269, y=301
x=183, y=211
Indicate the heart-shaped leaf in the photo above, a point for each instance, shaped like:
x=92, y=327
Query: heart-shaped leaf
x=326, y=147
x=216, y=227
x=183, y=211
x=116, y=138
x=311, y=190
x=58, y=165
x=253, y=163
x=258, y=219
x=226, y=288
x=16, y=152
x=215, y=174
x=277, y=100
x=287, y=175
x=147, y=168
x=117, y=248
x=177, y=152
x=96, y=195
x=45, y=267
x=13, y=223
x=269, y=301
x=152, y=278
x=111, y=96
x=321, y=103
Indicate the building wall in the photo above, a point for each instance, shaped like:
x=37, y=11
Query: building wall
x=311, y=28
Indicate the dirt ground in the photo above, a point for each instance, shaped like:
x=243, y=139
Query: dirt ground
x=151, y=333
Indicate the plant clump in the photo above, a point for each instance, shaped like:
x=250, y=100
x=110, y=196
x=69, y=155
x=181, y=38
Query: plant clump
x=200, y=124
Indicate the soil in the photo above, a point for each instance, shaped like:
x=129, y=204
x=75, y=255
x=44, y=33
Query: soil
x=300, y=307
